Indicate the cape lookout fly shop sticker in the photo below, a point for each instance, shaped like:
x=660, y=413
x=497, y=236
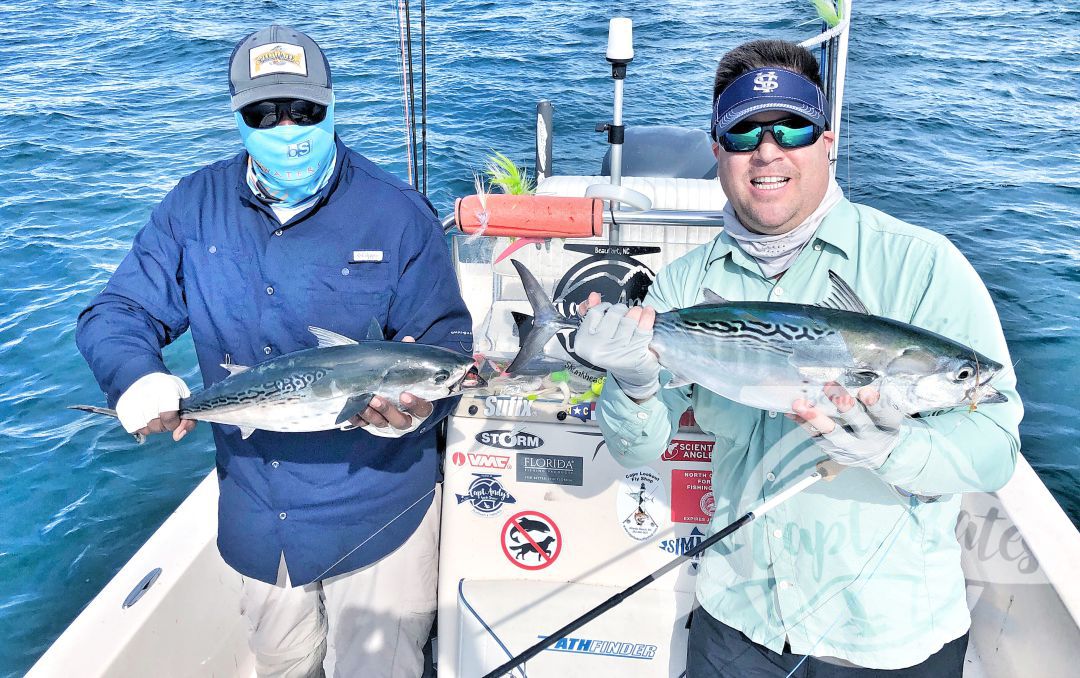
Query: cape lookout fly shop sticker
x=640, y=503
x=531, y=540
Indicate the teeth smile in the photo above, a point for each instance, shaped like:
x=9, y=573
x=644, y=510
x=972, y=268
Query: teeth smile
x=769, y=183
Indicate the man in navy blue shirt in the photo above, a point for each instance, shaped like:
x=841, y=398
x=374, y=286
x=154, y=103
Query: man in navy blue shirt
x=335, y=532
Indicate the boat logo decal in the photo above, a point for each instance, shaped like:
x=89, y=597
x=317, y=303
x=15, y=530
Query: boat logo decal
x=603, y=648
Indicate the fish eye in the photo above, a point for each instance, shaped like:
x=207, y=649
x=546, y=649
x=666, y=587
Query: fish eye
x=441, y=376
x=964, y=373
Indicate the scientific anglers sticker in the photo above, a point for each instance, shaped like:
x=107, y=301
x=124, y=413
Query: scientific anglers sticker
x=486, y=494
x=692, y=499
x=689, y=450
x=640, y=503
x=531, y=540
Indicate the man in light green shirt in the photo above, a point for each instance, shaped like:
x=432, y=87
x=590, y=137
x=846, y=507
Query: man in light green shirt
x=861, y=574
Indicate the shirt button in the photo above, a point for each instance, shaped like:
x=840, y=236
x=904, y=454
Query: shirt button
x=779, y=291
x=643, y=415
x=772, y=415
x=344, y=271
x=269, y=290
x=770, y=476
x=267, y=350
x=275, y=464
x=213, y=249
x=817, y=246
x=778, y=533
x=283, y=515
x=278, y=232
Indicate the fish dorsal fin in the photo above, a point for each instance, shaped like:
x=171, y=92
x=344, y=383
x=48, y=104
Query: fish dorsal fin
x=842, y=298
x=374, y=331
x=710, y=297
x=234, y=369
x=327, y=338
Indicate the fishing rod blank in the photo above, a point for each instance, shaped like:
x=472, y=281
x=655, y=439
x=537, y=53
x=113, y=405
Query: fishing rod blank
x=825, y=470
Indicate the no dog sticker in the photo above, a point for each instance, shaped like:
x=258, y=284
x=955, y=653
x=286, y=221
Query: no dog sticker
x=531, y=540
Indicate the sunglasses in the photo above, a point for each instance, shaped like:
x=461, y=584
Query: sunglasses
x=267, y=114
x=789, y=133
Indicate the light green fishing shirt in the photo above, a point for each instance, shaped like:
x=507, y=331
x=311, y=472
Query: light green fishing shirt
x=849, y=568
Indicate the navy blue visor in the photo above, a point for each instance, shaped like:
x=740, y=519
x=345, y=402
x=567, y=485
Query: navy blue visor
x=769, y=89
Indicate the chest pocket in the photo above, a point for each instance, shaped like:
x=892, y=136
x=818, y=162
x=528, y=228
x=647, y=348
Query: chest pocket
x=349, y=284
x=217, y=283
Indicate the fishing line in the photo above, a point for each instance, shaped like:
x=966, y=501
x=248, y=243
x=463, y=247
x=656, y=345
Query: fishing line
x=869, y=576
x=423, y=94
x=406, y=104
x=411, y=122
x=376, y=532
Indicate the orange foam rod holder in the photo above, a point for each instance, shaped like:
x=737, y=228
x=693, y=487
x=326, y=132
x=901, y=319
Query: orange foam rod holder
x=531, y=216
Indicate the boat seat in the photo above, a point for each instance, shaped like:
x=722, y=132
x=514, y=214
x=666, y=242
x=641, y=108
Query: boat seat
x=666, y=193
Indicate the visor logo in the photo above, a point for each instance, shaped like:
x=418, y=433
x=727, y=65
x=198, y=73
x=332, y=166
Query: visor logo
x=766, y=82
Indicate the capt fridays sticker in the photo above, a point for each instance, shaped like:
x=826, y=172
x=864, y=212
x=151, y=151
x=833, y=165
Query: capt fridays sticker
x=640, y=503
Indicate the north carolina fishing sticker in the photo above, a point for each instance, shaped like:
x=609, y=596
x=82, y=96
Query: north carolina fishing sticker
x=641, y=503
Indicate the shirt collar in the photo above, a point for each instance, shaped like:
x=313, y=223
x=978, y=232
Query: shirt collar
x=836, y=229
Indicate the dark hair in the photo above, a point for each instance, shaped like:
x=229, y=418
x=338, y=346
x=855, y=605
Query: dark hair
x=763, y=54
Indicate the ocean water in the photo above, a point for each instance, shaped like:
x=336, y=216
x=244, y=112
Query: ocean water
x=961, y=115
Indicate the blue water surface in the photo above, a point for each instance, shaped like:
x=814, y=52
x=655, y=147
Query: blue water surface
x=961, y=115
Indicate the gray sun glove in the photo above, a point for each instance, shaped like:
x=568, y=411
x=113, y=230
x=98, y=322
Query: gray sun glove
x=613, y=342
x=864, y=436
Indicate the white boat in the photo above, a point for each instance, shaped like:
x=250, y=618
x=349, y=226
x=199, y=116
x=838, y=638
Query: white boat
x=553, y=543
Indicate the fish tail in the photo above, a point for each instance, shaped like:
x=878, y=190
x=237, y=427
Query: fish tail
x=139, y=438
x=546, y=320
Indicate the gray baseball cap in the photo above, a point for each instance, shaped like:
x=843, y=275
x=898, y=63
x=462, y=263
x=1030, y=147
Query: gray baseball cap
x=278, y=62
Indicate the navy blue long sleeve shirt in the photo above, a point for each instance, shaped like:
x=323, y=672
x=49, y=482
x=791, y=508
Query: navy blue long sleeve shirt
x=214, y=258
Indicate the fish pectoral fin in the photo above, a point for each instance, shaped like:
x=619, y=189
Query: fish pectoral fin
x=841, y=297
x=353, y=406
x=711, y=297
x=855, y=378
x=374, y=332
x=327, y=338
x=245, y=431
x=233, y=369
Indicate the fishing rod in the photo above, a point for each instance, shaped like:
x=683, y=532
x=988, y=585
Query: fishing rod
x=824, y=470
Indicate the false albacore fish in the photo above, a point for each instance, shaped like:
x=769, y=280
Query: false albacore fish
x=321, y=388
x=767, y=354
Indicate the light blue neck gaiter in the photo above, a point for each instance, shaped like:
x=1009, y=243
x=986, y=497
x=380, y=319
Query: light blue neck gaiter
x=289, y=163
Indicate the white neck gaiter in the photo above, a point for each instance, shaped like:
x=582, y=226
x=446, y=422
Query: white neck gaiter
x=775, y=253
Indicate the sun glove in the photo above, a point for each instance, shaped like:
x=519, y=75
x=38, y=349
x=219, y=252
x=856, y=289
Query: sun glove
x=864, y=436
x=613, y=342
x=148, y=397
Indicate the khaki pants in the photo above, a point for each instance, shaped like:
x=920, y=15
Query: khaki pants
x=371, y=622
